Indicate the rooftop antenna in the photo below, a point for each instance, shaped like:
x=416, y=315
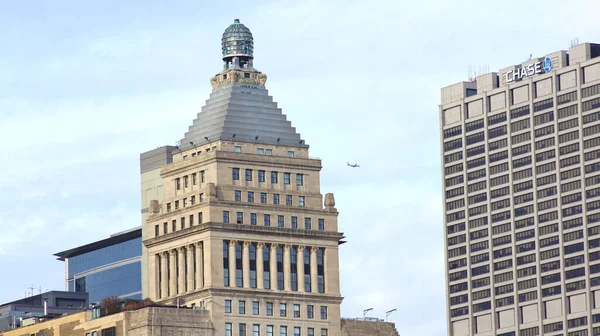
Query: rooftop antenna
x=530, y=57
x=574, y=42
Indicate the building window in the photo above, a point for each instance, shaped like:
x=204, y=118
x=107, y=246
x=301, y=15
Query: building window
x=301, y=201
x=200, y=218
x=225, y=216
x=237, y=149
x=201, y=197
x=294, y=222
x=194, y=179
x=296, y=310
x=235, y=174
x=240, y=218
x=239, y=273
x=165, y=228
x=184, y=202
x=286, y=178
x=242, y=329
x=282, y=331
x=267, y=269
x=310, y=332
x=252, y=219
x=269, y=309
x=321, y=224
x=267, y=220
x=261, y=176
x=268, y=151
x=203, y=176
x=275, y=198
x=296, y=331
x=255, y=308
x=248, y=174
x=192, y=200
x=279, y=255
x=250, y=197
x=182, y=223
x=269, y=330
x=168, y=207
x=178, y=183
x=191, y=220
x=282, y=309
x=228, y=329
x=323, y=312
x=260, y=151
x=176, y=205
x=185, y=181
x=299, y=179
x=252, y=251
x=274, y=176
x=323, y=332
x=310, y=313
x=228, y=306
x=307, y=223
x=288, y=200
x=226, y=268
x=290, y=154
x=320, y=271
x=156, y=230
x=238, y=195
x=174, y=225
x=243, y=307
x=255, y=330
x=263, y=198
x=280, y=221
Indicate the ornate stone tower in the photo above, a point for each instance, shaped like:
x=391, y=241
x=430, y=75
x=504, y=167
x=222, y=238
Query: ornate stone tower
x=240, y=227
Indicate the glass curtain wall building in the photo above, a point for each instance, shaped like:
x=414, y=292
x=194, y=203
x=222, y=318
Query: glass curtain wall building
x=109, y=267
x=521, y=168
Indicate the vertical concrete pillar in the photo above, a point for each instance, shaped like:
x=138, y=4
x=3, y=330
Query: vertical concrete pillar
x=313, y=270
x=164, y=277
x=172, y=272
x=190, y=268
x=274, y=266
x=300, y=263
x=260, y=270
x=246, y=264
x=232, y=278
x=287, y=268
x=199, y=265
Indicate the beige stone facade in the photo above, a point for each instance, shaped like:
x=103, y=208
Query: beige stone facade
x=187, y=261
x=151, y=321
x=521, y=163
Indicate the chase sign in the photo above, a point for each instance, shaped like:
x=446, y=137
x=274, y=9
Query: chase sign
x=529, y=70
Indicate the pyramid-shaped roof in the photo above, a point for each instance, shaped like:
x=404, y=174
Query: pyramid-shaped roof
x=243, y=113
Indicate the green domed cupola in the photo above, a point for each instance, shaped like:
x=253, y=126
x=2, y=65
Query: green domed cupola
x=237, y=46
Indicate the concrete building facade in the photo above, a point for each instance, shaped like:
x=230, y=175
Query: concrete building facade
x=242, y=229
x=521, y=190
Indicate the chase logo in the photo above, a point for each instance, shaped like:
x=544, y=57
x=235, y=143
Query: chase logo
x=529, y=70
x=547, y=64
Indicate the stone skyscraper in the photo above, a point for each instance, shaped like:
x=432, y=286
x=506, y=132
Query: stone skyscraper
x=234, y=219
x=521, y=168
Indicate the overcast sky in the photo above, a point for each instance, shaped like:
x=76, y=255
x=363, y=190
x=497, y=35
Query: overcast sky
x=85, y=88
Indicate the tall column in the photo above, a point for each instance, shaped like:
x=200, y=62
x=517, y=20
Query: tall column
x=274, y=266
x=246, y=264
x=287, y=268
x=232, y=279
x=260, y=270
x=172, y=272
x=300, y=263
x=190, y=268
x=199, y=265
x=314, y=283
x=164, y=277
x=181, y=271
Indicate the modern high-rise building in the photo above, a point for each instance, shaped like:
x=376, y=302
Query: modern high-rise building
x=108, y=267
x=233, y=218
x=521, y=168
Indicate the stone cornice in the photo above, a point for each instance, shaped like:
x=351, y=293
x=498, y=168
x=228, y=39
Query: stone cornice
x=243, y=228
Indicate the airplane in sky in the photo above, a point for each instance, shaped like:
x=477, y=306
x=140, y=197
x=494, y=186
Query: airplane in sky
x=352, y=165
